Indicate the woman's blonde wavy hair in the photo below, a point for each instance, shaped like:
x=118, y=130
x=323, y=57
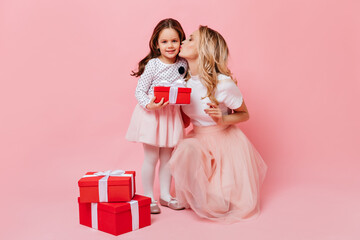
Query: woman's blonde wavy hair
x=213, y=57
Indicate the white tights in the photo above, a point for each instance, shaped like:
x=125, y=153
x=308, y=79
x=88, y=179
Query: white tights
x=151, y=156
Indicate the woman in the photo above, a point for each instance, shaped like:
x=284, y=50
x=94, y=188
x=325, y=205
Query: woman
x=217, y=171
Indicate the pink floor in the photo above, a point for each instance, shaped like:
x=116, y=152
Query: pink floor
x=291, y=209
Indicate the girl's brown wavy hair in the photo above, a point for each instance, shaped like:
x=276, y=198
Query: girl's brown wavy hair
x=153, y=43
x=213, y=58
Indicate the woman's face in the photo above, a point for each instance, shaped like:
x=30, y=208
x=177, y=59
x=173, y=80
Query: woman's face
x=189, y=47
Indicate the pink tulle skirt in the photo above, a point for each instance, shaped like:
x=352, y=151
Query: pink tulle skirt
x=163, y=127
x=218, y=174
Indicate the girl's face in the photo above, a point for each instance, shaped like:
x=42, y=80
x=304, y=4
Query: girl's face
x=189, y=47
x=169, y=45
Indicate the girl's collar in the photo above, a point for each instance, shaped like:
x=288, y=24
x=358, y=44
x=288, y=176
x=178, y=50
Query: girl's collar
x=167, y=63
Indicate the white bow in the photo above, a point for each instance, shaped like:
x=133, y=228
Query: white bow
x=174, y=86
x=177, y=83
x=103, y=182
x=108, y=173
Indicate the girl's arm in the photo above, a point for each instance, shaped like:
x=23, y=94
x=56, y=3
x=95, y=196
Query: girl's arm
x=144, y=84
x=141, y=91
x=239, y=115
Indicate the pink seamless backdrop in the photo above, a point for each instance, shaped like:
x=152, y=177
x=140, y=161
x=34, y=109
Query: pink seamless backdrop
x=66, y=98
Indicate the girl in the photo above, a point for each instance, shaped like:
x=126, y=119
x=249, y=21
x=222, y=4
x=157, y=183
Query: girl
x=158, y=125
x=217, y=170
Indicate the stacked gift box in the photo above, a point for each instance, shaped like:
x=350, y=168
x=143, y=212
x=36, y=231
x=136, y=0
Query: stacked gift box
x=108, y=202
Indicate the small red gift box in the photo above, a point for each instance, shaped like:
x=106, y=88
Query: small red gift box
x=183, y=95
x=116, y=218
x=109, y=186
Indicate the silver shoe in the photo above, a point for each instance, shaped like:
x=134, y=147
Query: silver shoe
x=173, y=204
x=154, y=208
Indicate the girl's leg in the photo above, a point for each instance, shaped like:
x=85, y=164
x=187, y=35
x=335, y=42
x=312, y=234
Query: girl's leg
x=165, y=174
x=151, y=156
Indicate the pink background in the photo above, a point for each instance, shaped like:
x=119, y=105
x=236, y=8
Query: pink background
x=66, y=98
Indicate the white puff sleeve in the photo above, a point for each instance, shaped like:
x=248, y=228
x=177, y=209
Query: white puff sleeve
x=229, y=94
x=144, y=84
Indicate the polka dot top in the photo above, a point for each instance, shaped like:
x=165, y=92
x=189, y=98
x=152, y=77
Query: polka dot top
x=155, y=72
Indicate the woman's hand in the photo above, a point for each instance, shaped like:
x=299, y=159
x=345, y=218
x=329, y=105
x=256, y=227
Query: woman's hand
x=154, y=106
x=240, y=114
x=215, y=113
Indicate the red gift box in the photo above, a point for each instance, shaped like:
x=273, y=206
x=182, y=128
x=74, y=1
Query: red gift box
x=183, y=94
x=119, y=187
x=116, y=218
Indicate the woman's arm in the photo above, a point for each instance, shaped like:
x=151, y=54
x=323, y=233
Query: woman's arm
x=240, y=114
x=185, y=118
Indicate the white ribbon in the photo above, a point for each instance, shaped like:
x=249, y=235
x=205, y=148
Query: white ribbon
x=94, y=216
x=134, y=208
x=174, y=87
x=103, y=182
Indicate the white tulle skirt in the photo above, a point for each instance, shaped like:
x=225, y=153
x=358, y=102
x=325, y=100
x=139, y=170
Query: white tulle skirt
x=163, y=127
x=218, y=173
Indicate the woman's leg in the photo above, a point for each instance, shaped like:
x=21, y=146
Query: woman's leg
x=151, y=156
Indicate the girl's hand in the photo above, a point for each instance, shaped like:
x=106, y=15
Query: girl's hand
x=154, y=106
x=215, y=113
